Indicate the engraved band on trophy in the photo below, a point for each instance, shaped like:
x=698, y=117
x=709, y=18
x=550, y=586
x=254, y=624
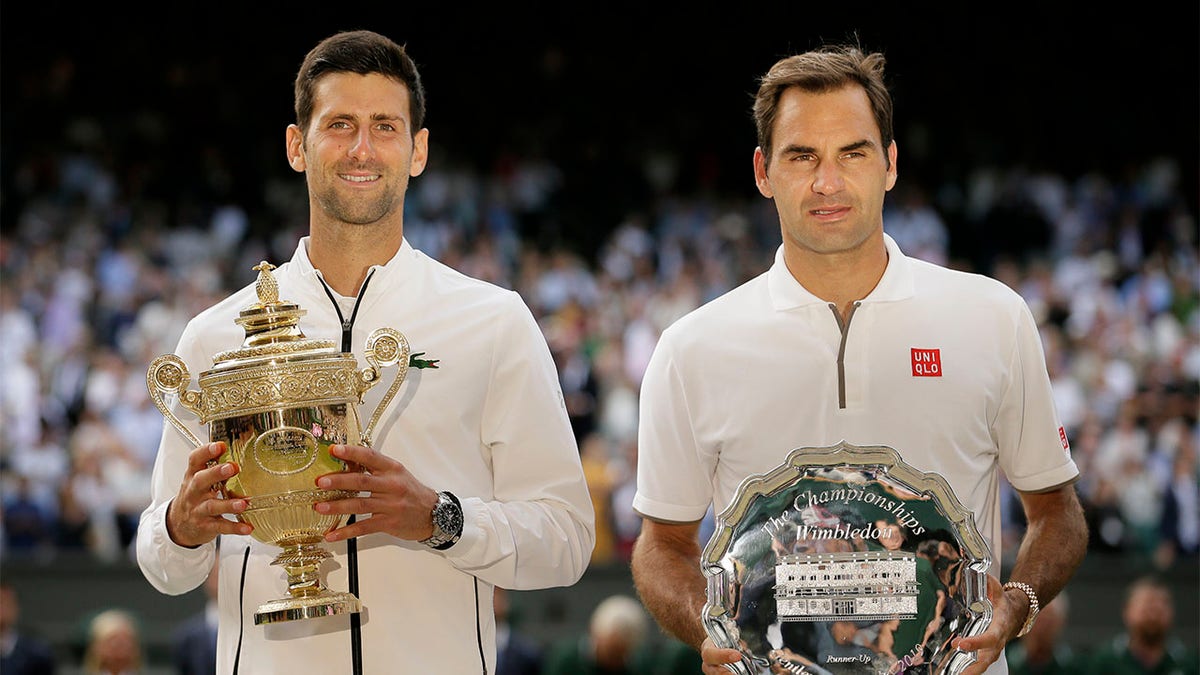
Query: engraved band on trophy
x=845, y=559
x=279, y=402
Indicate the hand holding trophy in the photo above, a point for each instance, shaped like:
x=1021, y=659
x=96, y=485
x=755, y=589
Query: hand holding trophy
x=278, y=403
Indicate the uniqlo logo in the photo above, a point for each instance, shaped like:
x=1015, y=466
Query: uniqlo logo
x=926, y=362
x=1062, y=436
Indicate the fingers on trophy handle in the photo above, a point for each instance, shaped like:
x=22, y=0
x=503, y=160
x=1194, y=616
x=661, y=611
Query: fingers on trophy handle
x=169, y=375
x=385, y=347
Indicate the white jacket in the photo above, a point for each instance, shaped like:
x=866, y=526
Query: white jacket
x=489, y=425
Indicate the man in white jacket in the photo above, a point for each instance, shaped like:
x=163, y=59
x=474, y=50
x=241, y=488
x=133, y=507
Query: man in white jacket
x=484, y=439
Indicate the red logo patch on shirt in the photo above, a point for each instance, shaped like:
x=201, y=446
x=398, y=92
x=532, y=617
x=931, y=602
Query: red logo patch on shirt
x=1062, y=436
x=926, y=362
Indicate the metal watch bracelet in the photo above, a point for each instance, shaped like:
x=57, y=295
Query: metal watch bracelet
x=1034, y=605
x=447, y=519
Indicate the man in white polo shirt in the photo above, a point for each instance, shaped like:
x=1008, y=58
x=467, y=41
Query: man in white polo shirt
x=846, y=339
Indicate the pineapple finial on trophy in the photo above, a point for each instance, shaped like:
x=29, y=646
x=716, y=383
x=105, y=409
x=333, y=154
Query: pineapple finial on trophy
x=271, y=321
x=265, y=285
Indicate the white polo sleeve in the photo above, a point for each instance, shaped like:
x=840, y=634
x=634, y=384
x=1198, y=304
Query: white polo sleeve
x=1034, y=450
x=674, y=477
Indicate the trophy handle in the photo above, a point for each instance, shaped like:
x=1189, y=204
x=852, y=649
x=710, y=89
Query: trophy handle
x=169, y=374
x=385, y=347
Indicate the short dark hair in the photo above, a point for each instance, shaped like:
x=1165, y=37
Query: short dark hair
x=363, y=52
x=826, y=69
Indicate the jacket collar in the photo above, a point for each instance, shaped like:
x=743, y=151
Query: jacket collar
x=387, y=274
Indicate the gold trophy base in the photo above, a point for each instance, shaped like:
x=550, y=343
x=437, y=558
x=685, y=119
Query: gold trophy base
x=329, y=603
x=308, y=597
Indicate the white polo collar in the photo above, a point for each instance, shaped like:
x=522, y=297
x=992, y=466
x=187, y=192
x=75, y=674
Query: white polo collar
x=895, y=284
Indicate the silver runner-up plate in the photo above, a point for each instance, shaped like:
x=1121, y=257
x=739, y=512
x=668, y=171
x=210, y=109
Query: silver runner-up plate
x=845, y=559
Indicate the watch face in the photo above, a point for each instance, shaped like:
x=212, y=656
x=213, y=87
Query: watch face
x=447, y=518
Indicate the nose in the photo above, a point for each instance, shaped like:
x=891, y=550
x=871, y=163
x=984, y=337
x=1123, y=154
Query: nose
x=827, y=178
x=361, y=149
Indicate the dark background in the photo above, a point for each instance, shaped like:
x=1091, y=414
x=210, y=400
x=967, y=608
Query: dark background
x=181, y=91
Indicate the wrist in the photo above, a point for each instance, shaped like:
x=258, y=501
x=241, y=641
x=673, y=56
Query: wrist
x=173, y=532
x=428, y=505
x=446, y=520
x=1032, y=603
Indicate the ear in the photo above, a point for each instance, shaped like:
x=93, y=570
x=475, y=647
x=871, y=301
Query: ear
x=420, y=153
x=760, y=174
x=295, y=149
x=891, y=172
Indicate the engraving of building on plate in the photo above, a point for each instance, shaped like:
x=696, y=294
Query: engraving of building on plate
x=856, y=586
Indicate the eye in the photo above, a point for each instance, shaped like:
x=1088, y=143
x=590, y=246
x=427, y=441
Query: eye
x=339, y=124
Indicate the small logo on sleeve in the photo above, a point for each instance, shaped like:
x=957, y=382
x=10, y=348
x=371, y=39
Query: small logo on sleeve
x=1062, y=436
x=926, y=362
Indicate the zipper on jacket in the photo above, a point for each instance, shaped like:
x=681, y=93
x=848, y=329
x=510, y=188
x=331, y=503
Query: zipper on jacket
x=352, y=543
x=843, y=326
x=347, y=324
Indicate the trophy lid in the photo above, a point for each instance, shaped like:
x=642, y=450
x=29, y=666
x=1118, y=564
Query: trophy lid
x=272, y=326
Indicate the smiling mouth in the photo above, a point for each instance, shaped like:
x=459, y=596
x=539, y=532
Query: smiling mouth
x=360, y=179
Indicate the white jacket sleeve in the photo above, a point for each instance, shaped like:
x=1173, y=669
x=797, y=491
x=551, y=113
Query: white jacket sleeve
x=539, y=531
x=170, y=568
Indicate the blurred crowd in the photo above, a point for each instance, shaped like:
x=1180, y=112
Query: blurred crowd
x=93, y=287
x=106, y=252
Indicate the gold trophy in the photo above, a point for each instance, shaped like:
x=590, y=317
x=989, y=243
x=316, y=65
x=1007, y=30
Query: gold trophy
x=278, y=402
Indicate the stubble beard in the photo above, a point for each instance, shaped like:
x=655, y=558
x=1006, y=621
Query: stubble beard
x=355, y=209
x=834, y=238
x=829, y=243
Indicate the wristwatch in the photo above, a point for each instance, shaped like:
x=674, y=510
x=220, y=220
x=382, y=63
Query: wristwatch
x=1034, y=606
x=447, y=519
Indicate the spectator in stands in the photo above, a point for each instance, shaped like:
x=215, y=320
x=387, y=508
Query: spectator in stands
x=194, y=644
x=1180, y=524
x=917, y=226
x=617, y=631
x=114, y=644
x=627, y=524
x=28, y=524
x=602, y=476
x=1043, y=651
x=516, y=653
x=1148, y=644
x=20, y=652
